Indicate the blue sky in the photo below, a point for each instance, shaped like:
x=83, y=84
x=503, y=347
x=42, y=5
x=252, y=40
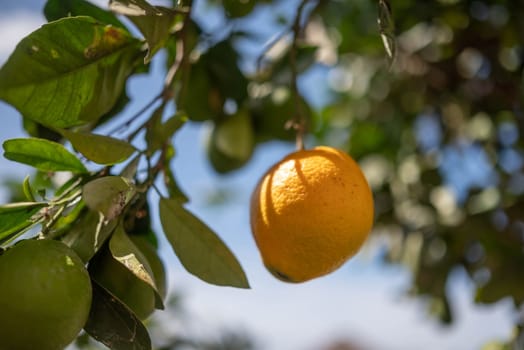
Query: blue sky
x=364, y=301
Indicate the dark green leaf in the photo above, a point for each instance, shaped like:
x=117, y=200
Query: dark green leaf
x=42, y=154
x=200, y=101
x=88, y=234
x=99, y=148
x=56, y=9
x=199, y=249
x=16, y=217
x=108, y=195
x=35, y=129
x=113, y=324
x=236, y=8
x=221, y=62
x=68, y=72
x=126, y=253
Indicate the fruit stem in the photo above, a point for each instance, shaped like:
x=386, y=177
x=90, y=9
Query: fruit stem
x=299, y=121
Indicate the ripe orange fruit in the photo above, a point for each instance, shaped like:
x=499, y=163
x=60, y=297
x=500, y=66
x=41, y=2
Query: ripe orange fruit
x=45, y=296
x=310, y=213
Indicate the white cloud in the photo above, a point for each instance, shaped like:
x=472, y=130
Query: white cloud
x=14, y=26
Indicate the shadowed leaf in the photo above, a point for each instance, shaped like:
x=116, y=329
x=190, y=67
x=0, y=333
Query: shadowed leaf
x=98, y=148
x=199, y=249
x=113, y=324
x=16, y=217
x=108, y=195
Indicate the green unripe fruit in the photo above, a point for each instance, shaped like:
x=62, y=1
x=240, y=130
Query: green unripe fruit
x=231, y=142
x=45, y=296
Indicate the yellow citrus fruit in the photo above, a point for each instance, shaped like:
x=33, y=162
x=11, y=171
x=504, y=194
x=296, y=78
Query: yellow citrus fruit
x=45, y=296
x=310, y=213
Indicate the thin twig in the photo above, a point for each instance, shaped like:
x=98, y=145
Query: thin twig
x=180, y=52
x=184, y=60
x=269, y=45
x=298, y=121
x=130, y=121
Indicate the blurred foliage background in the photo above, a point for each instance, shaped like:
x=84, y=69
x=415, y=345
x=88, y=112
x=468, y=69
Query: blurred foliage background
x=437, y=132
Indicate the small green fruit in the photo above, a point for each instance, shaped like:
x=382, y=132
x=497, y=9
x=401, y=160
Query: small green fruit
x=231, y=142
x=45, y=296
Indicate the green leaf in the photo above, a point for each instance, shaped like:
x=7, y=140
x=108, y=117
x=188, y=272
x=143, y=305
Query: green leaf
x=154, y=22
x=16, y=217
x=68, y=72
x=129, y=171
x=108, y=195
x=236, y=8
x=199, y=249
x=99, y=148
x=159, y=133
x=88, y=234
x=200, y=102
x=126, y=253
x=222, y=65
x=56, y=9
x=169, y=178
x=42, y=154
x=133, y=8
x=28, y=190
x=113, y=324
x=156, y=29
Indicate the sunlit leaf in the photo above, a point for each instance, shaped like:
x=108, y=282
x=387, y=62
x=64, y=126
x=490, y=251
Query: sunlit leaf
x=199, y=249
x=113, y=324
x=108, y=195
x=133, y=8
x=387, y=29
x=28, y=190
x=126, y=253
x=156, y=29
x=68, y=72
x=154, y=22
x=56, y=9
x=99, y=148
x=42, y=154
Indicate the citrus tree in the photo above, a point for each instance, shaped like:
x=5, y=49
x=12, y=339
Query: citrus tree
x=431, y=108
